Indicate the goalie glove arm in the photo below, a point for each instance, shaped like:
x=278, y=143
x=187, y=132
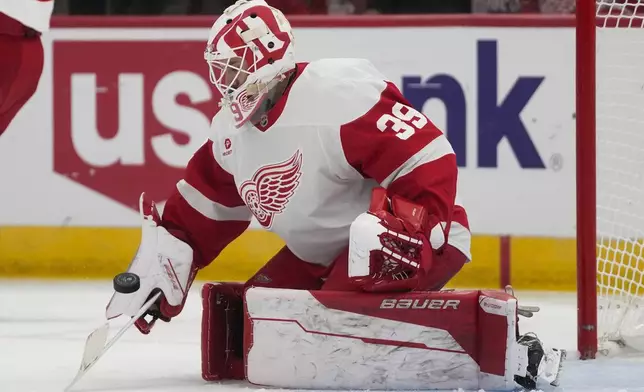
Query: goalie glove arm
x=406, y=154
x=206, y=210
x=162, y=263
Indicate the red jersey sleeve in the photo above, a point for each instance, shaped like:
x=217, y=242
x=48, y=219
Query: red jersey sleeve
x=404, y=152
x=205, y=210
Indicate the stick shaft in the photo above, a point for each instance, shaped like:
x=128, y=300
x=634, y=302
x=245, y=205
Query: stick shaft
x=85, y=367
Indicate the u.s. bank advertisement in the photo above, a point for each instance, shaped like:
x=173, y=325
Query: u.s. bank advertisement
x=120, y=111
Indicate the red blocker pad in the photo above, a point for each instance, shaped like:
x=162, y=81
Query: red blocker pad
x=419, y=340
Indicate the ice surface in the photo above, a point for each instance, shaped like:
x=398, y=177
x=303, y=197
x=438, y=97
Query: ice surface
x=43, y=326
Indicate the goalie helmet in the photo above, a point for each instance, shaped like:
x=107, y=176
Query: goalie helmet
x=249, y=51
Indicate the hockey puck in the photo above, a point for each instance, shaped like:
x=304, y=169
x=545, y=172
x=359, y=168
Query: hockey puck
x=126, y=283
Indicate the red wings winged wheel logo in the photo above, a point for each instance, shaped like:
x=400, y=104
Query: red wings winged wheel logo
x=271, y=187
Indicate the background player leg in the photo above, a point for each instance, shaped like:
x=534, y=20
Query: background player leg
x=21, y=65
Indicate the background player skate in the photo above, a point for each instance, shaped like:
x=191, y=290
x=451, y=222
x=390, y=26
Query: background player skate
x=21, y=63
x=363, y=189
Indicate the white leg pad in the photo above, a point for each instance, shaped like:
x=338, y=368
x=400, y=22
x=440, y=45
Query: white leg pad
x=339, y=340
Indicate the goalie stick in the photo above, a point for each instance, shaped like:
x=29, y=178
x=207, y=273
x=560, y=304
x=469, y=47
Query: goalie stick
x=95, y=346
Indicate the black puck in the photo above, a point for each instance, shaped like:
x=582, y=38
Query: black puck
x=126, y=283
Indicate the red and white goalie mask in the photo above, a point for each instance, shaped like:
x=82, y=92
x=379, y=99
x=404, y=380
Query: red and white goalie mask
x=250, y=49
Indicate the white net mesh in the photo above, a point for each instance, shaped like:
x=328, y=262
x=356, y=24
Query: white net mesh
x=620, y=171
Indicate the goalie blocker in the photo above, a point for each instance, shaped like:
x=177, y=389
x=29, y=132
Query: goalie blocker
x=340, y=340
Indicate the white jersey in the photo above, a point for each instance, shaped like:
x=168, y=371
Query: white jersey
x=31, y=13
x=307, y=169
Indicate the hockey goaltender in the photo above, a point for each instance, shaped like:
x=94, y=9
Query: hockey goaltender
x=362, y=188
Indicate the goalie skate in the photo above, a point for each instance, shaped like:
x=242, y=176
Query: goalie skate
x=544, y=364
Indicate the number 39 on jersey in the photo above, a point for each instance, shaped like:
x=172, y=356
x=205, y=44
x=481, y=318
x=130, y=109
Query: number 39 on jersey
x=404, y=120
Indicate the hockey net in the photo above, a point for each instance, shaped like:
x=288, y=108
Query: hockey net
x=614, y=31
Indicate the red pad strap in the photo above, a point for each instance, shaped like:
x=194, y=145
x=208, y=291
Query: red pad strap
x=222, y=332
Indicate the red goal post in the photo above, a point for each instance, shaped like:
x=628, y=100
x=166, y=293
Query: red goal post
x=586, y=181
x=610, y=205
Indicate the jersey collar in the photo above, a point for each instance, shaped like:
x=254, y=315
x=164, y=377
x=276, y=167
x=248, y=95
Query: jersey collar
x=269, y=118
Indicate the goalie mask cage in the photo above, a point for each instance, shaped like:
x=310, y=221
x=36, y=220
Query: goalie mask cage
x=610, y=174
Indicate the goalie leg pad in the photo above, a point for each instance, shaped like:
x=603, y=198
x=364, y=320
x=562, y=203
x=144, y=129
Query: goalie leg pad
x=222, y=312
x=222, y=331
x=349, y=340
